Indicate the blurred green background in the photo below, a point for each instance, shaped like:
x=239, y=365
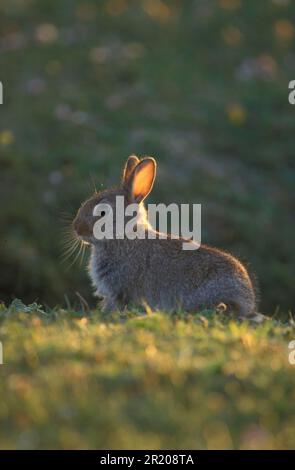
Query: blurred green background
x=201, y=85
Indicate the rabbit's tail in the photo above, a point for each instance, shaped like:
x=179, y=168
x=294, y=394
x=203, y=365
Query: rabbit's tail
x=243, y=307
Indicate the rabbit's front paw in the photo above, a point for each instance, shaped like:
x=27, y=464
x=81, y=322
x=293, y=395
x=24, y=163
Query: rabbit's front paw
x=108, y=305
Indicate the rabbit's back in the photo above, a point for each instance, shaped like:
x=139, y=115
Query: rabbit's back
x=194, y=279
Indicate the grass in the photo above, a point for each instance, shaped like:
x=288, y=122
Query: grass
x=203, y=86
x=83, y=380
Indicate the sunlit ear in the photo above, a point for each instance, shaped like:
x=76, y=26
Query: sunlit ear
x=131, y=163
x=142, y=179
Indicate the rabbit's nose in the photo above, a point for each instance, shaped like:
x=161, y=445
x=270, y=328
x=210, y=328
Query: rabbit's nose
x=81, y=227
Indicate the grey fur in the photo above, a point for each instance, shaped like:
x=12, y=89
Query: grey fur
x=159, y=272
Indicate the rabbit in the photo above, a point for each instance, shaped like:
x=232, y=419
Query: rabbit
x=158, y=272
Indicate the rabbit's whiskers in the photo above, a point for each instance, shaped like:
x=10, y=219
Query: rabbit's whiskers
x=80, y=246
x=72, y=247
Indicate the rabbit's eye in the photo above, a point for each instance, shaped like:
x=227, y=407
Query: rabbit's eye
x=101, y=210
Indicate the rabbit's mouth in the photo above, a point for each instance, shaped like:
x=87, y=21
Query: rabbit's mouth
x=86, y=241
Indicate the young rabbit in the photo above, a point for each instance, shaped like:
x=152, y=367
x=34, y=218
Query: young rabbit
x=158, y=272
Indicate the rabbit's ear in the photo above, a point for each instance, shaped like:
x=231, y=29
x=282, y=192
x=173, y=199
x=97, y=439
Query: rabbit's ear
x=131, y=163
x=142, y=179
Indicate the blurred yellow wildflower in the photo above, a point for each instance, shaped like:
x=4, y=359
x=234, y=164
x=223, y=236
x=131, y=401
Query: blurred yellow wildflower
x=151, y=351
x=116, y=7
x=236, y=113
x=230, y=4
x=248, y=340
x=83, y=322
x=282, y=3
x=158, y=10
x=6, y=138
x=231, y=35
x=284, y=30
x=46, y=33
